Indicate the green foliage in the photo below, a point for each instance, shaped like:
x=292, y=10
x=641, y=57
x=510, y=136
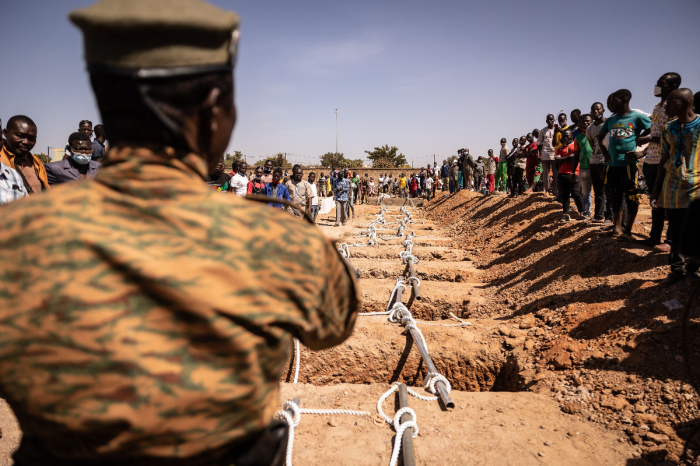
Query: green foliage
x=338, y=160
x=386, y=157
x=229, y=160
x=277, y=161
x=43, y=157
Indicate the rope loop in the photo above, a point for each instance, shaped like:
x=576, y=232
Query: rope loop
x=397, y=420
x=432, y=378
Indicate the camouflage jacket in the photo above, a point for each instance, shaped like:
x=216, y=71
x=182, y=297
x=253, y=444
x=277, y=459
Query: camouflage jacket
x=143, y=314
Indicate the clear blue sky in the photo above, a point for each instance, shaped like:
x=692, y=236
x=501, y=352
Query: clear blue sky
x=428, y=77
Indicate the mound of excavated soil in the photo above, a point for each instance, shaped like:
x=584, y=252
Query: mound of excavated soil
x=607, y=336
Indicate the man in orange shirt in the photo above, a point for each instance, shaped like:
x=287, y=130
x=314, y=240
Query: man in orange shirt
x=20, y=136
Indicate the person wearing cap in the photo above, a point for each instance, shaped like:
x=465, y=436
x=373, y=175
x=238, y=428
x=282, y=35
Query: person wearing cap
x=150, y=319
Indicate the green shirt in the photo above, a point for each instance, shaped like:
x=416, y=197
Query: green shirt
x=582, y=145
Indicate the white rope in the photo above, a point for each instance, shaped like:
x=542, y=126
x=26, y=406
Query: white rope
x=432, y=379
x=344, y=250
x=406, y=255
x=297, y=358
x=400, y=429
x=294, y=417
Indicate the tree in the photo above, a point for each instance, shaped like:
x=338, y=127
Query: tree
x=278, y=160
x=229, y=160
x=386, y=157
x=452, y=158
x=43, y=157
x=338, y=160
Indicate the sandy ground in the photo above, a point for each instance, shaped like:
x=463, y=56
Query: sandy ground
x=485, y=428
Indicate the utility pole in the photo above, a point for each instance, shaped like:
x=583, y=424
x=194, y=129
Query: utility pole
x=336, y=132
x=434, y=162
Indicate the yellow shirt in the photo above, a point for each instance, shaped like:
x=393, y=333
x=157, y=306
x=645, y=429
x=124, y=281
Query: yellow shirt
x=402, y=182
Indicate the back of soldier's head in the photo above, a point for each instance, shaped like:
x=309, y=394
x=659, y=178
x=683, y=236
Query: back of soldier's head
x=158, y=65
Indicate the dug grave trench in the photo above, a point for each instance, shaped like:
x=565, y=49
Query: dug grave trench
x=474, y=359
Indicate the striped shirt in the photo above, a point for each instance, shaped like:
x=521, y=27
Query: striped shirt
x=11, y=185
x=682, y=182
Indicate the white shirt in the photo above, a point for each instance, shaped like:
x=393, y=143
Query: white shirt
x=428, y=183
x=546, y=142
x=314, y=191
x=381, y=180
x=239, y=184
x=11, y=185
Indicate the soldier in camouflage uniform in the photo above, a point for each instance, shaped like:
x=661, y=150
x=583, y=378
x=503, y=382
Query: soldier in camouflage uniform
x=145, y=318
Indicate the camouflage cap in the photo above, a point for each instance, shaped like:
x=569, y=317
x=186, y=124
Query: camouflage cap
x=154, y=38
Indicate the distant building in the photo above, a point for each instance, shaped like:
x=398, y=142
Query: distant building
x=58, y=154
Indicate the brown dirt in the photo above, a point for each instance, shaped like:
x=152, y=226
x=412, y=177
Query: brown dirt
x=518, y=429
x=605, y=347
x=378, y=352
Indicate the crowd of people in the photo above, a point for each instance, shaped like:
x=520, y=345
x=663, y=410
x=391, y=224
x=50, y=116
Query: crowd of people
x=593, y=160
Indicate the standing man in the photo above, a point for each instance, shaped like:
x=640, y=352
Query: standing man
x=545, y=146
x=624, y=128
x=20, y=137
x=677, y=187
x=582, y=163
x=267, y=172
x=364, y=189
x=575, y=123
x=98, y=144
x=491, y=174
x=598, y=165
x=520, y=164
x=445, y=175
x=568, y=178
x=403, y=185
x=478, y=173
x=428, y=188
x=145, y=355
x=299, y=191
x=666, y=84
x=510, y=166
x=315, y=207
x=502, y=168
x=454, y=173
x=239, y=181
x=341, y=191
x=276, y=189
x=467, y=169
x=77, y=166
x=531, y=160
x=322, y=184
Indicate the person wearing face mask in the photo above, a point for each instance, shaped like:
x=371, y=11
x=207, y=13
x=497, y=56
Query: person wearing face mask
x=77, y=166
x=666, y=84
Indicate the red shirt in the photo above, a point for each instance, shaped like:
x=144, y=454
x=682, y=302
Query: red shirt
x=565, y=151
x=532, y=159
x=255, y=187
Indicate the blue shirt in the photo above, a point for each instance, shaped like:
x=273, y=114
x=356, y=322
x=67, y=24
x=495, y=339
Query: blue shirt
x=342, y=187
x=282, y=193
x=445, y=172
x=624, y=131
